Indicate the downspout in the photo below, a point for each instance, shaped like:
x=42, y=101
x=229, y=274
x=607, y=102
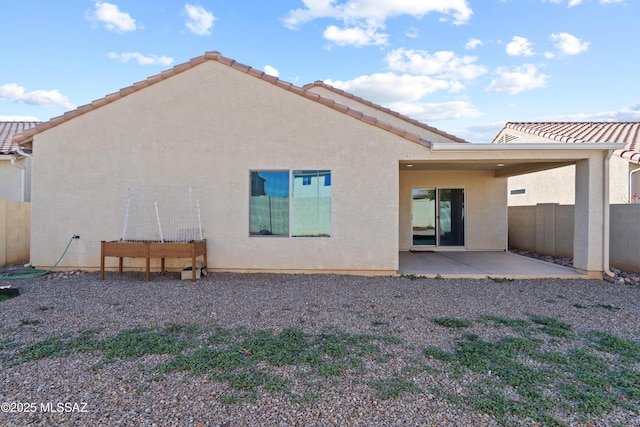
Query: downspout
x=22, y=173
x=22, y=153
x=632, y=189
x=606, y=217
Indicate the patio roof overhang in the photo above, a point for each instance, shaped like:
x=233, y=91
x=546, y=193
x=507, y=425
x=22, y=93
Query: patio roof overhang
x=527, y=146
x=505, y=159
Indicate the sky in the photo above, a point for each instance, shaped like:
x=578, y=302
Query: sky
x=463, y=66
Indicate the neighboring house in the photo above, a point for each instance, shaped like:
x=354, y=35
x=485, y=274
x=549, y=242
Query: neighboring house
x=15, y=165
x=557, y=185
x=296, y=179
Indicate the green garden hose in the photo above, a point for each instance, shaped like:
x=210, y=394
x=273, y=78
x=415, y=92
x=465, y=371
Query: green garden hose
x=29, y=273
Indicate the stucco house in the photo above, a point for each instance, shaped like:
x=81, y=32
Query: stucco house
x=557, y=185
x=296, y=179
x=15, y=164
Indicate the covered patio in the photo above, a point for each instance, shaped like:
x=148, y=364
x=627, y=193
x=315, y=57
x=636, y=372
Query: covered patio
x=453, y=218
x=480, y=264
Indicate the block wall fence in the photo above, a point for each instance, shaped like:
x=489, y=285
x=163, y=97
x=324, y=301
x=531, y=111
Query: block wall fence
x=548, y=229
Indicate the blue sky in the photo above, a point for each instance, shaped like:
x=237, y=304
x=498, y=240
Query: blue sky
x=463, y=66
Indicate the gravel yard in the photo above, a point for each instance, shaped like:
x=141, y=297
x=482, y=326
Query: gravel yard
x=387, y=351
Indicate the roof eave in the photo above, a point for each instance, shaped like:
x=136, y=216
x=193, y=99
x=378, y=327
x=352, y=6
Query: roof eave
x=27, y=136
x=523, y=146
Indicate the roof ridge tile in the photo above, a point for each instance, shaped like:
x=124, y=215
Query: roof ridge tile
x=589, y=131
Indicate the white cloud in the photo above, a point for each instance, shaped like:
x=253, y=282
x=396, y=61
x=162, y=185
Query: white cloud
x=519, y=46
x=416, y=74
x=473, y=43
x=481, y=133
x=429, y=112
x=363, y=18
x=569, y=44
x=112, y=18
x=402, y=93
x=376, y=10
x=42, y=98
x=626, y=114
x=199, y=20
x=572, y=3
x=268, y=69
x=390, y=87
x=630, y=114
x=355, y=36
x=19, y=119
x=522, y=78
x=141, y=59
x=412, y=33
x=444, y=64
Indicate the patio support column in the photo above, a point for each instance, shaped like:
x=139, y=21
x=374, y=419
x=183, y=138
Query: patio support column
x=589, y=216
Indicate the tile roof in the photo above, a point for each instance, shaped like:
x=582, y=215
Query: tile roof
x=386, y=110
x=8, y=130
x=216, y=56
x=576, y=132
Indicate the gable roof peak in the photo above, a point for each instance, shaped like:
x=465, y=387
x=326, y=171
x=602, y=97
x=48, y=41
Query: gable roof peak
x=218, y=57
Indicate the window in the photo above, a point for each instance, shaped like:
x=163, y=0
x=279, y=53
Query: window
x=518, y=191
x=290, y=203
x=311, y=204
x=269, y=205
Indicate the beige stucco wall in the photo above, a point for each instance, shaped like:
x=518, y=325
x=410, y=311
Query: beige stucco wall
x=558, y=185
x=14, y=231
x=551, y=186
x=12, y=187
x=485, y=205
x=209, y=127
x=3, y=230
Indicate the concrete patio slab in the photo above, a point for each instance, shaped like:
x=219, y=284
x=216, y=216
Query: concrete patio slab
x=480, y=264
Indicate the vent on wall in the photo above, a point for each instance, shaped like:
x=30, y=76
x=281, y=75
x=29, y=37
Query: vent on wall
x=518, y=191
x=507, y=138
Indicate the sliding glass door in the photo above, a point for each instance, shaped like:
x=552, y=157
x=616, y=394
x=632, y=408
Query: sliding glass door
x=437, y=217
x=451, y=221
x=423, y=216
